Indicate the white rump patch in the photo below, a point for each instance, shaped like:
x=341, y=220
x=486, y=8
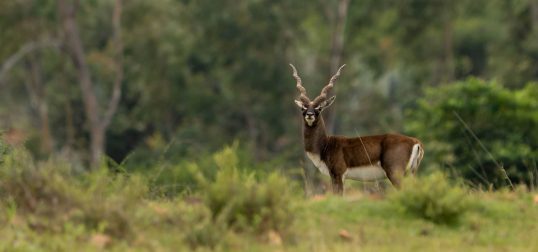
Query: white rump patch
x=322, y=167
x=365, y=173
x=412, y=164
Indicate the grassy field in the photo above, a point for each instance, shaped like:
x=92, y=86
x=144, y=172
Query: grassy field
x=52, y=207
x=507, y=222
x=502, y=222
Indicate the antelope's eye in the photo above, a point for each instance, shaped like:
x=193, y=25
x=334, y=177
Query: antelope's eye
x=318, y=108
x=304, y=108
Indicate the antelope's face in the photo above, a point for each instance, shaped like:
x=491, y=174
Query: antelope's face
x=312, y=110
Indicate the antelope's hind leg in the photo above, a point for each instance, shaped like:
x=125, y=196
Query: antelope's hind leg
x=394, y=163
x=395, y=174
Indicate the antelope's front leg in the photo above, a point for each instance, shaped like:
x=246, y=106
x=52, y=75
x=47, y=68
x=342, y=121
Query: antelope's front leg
x=337, y=184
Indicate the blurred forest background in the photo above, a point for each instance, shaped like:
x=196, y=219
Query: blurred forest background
x=167, y=81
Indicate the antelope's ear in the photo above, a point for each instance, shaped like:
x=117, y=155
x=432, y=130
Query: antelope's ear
x=327, y=103
x=300, y=104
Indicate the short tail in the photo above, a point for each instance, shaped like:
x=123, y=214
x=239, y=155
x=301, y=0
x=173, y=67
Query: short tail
x=416, y=157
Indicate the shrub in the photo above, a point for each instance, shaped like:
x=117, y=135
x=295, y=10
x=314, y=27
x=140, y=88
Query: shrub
x=504, y=120
x=171, y=178
x=432, y=198
x=203, y=231
x=54, y=196
x=242, y=202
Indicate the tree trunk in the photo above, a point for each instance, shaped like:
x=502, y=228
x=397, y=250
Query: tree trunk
x=253, y=134
x=37, y=93
x=534, y=15
x=448, y=49
x=76, y=52
x=46, y=136
x=444, y=71
x=97, y=124
x=43, y=109
x=69, y=126
x=337, y=48
x=97, y=145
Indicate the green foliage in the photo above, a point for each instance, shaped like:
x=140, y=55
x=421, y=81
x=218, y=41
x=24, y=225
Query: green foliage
x=4, y=149
x=243, y=202
x=204, y=232
x=55, y=196
x=170, y=169
x=52, y=197
x=199, y=74
x=170, y=176
x=433, y=198
x=504, y=120
x=49, y=206
x=202, y=73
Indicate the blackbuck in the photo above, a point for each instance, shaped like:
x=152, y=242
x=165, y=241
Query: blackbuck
x=365, y=158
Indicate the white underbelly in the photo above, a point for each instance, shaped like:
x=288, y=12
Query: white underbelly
x=365, y=173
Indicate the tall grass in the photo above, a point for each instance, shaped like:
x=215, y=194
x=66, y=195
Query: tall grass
x=51, y=206
x=53, y=194
x=53, y=198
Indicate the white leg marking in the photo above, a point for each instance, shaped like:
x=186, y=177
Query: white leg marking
x=322, y=167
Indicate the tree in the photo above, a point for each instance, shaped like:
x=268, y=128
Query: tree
x=98, y=121
x=32, y=41
x=337, y=46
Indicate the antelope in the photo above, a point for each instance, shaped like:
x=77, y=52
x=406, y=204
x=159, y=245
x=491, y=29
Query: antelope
x=364, y=158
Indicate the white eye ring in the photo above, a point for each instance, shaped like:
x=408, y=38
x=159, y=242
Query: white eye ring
x=305, y=108
x=318, y=108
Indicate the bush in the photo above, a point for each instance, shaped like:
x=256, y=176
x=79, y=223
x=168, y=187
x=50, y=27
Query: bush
x=54, y=196
x=504, y=120
x=432, y=198
x=203, y=230
x=240, y=201
x=171, y=177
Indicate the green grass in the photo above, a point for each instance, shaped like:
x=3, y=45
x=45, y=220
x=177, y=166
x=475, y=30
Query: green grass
x=498, y=224
x=507, y=222
x=502, y=222
x=51, y=207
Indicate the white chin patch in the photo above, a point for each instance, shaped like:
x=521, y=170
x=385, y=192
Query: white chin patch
x=309, y=121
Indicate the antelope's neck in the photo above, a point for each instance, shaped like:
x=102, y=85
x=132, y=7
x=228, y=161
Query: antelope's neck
x=315, y=137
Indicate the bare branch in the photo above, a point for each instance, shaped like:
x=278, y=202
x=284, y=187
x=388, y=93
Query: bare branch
x=75, y=49
x=23, y=51
x=338, y=22
x=118, y=50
